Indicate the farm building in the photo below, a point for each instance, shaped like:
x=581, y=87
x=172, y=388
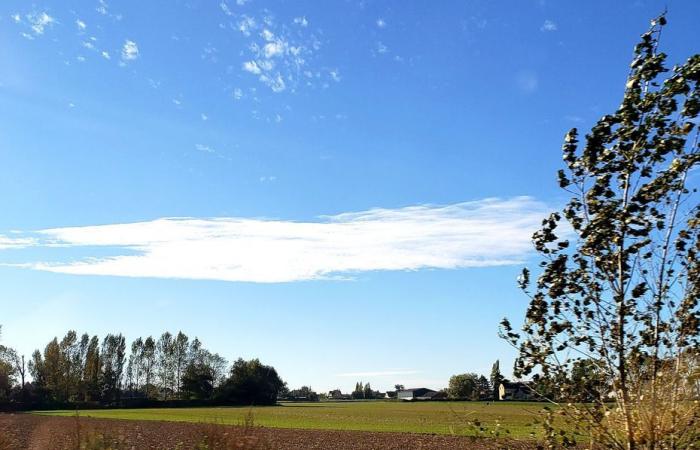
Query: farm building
x=514, y=391
x=337, y=395
x=417, y=394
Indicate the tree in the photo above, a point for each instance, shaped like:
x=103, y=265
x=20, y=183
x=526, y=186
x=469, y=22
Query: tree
x=92, y=371
x=16, y=363
x=368, y=393
x=399, y=387
x=149, y=364
x=197, y=381
x=463, y=386
x=484, y=390
x=180, y=356
x=304, y=392
x=251, y=383
x=359, y=391
x=112, y=359
x=496, y=378
x=165, y=356
x=7, y=372
x=619, y=285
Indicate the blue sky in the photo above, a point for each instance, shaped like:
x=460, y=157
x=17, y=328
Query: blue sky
x=344, y=189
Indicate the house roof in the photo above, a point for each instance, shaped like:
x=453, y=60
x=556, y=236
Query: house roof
x=515, y=384
x=417, y=389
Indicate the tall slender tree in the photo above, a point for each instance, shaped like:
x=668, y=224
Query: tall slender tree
x=620, y=283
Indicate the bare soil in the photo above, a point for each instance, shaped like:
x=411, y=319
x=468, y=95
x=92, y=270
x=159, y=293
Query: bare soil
x=32, y=432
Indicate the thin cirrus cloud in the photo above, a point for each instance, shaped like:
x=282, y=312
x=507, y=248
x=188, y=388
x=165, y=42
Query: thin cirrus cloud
x=490, y=232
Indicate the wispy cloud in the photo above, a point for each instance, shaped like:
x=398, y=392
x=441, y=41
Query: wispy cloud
x=548, y=26
x=130, y=51
x=279, y=55
x=7, y=242
x=36, y=23
x=527, y=81
x=381, y=373
x=481, y=233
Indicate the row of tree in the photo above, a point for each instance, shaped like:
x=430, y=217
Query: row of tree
x=171, y=368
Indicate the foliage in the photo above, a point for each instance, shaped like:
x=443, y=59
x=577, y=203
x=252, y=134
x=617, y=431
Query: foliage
x=464, y=386
x=616, y=302
x=251, y=383
x=78, y=370
x=304, y=392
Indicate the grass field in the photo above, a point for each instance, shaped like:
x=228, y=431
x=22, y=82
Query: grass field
x=515, y=419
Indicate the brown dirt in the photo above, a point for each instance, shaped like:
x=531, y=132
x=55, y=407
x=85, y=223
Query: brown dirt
x=26, y=431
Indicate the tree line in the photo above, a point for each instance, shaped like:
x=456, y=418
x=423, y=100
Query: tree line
x=77, y=370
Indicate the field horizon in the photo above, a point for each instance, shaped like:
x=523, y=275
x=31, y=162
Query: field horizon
x=511, y=419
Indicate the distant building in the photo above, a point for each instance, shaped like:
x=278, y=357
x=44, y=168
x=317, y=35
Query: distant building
x=337, y=395
x=514, y=391
x=416, y=394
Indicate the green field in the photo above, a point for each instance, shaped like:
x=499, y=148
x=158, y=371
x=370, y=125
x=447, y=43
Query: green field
x=515, y=419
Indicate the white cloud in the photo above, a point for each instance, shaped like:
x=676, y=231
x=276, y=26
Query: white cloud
x=225, y=8
x=489, y=232
x=9, y=242
x=273, y=49
x=237, y=93
x=204, y=148
x=38, y=22
x=279, y=55
x=381, y=23
x=80, y=24
x=548, y=25
x=241, y=2
x=246, y=25
x=275, y=82
x=106, y=55
x=102, y=7
x=204, y=117
x=252, y=67
x=130, y=51
x=17, y=18
x=381, y=48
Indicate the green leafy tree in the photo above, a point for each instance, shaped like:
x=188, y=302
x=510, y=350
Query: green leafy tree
x=251, y=383
x=113, y=357
x=619, y=283
x=359, y=392
x=463, y=386
x=304, y=392
x=165, y=355
x=92, y=371
x=368, y=393
x=180, y=358
x=483, y=388
x=7, y=372
x=148, y=355
x=197, y=381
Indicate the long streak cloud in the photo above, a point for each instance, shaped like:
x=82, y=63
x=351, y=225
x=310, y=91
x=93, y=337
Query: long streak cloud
x=488, y=232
